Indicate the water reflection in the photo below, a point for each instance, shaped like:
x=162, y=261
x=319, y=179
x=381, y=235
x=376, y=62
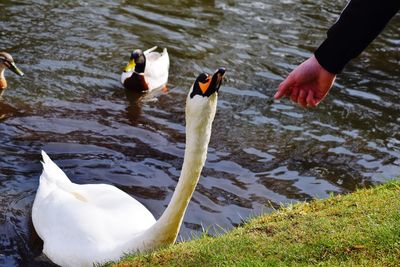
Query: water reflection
x=262, y=153
x=7, y=111
x=134, y=107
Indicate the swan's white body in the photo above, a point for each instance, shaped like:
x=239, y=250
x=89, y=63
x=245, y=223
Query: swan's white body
x=156, y=70
x=82, y=224
x=93, y=223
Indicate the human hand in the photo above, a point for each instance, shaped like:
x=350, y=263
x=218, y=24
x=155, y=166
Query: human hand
x=307, y=84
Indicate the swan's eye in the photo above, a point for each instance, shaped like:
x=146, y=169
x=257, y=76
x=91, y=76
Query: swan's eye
x=202, y=77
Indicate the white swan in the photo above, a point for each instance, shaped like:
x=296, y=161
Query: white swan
x=81, y=225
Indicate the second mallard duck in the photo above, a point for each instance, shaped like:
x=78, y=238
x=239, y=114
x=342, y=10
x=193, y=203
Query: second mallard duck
x=6, y=61
x=146, y=70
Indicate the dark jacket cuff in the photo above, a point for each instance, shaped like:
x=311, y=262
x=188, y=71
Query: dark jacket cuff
x=329, y=58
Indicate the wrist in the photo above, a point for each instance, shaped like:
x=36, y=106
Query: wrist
x=322, y=69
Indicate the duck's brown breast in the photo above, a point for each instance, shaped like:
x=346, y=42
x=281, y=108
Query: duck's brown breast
x=3, y=83
x=136, y=82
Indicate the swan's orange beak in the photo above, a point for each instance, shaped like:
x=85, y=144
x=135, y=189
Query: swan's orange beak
x=206, y=84
x=213, y=82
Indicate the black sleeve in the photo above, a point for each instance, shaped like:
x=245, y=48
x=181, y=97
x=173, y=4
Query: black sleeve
x=358, y=25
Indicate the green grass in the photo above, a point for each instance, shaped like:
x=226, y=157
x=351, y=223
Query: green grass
x=358, y=229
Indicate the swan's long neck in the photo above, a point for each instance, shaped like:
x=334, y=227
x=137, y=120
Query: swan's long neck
x=198, y=130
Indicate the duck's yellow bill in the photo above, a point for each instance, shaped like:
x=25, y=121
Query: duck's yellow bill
x=131, y=66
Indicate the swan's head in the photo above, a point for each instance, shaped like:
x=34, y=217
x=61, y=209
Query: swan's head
x=137, y=62
x=202, y=98
x=206, y=85
x=6, y=61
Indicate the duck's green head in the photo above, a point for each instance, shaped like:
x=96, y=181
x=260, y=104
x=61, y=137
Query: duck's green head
x=137, y=62
x=7, y=61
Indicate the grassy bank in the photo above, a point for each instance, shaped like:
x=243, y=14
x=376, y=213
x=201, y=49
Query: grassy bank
x=362, y=228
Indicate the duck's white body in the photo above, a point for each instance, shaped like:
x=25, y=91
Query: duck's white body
x=156, y=70
x=81, y=225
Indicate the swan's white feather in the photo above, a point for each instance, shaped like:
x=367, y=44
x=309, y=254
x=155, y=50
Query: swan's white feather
x=93, y=220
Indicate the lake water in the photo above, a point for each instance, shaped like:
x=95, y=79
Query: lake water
x=262, y=152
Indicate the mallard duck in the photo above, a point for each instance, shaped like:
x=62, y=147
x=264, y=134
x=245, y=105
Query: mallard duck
x=87, y=224
x=146, y=70
x=6, y=61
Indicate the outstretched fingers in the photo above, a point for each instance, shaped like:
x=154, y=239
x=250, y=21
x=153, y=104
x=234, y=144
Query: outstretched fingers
x=302, y=98
x=311, y=101
x=284, y=88
x=295, y=94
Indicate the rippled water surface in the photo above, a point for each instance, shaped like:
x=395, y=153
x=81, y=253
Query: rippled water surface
x=262, y=153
